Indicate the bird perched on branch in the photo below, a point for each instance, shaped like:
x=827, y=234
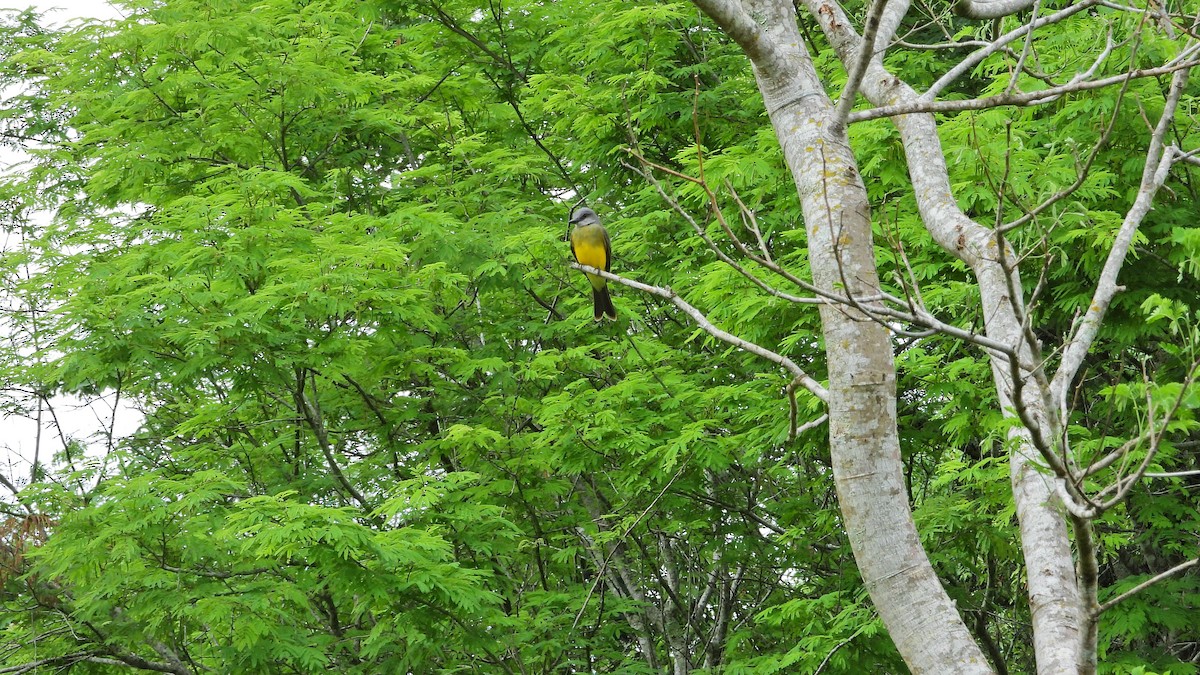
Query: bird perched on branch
x=590, y=246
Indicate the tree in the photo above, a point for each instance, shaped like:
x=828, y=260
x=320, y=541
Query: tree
x=811, y=128
x=319, y=245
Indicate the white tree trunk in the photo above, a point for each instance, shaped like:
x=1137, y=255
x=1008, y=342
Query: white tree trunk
x=864, y=442
x=1053, y=592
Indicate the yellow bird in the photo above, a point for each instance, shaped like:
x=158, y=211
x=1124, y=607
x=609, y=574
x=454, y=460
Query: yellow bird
x=589, y=245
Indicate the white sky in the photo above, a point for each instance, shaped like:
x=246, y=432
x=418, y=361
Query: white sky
x=19, y=435
x=65, y=10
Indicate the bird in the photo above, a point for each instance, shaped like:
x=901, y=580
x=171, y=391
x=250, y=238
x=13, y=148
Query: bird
x=590, y=246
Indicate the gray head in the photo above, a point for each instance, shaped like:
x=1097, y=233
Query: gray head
x=584, y=216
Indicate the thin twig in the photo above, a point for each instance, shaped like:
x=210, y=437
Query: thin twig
x=836, y=647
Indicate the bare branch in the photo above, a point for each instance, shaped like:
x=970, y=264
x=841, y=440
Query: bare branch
x=1019, y=100
x=1189, y=157
x=1016, y=73
x=889, y=23
x=1082, y=171
x=316, y=422
x=935, y=46
x=813, y=424
x=1100, y=59
x=217, y=574
x=1171, y=474
x=1054, y=600
x=843, y=643
x=1158, y=163
x=856, y=71
x=1088, y=572
x=724, y=257
x=620, y=580
x=750, y=221
x=707, y=326
x=65, y=659
x=999, y=43
x=744, y=30
x=989, y=9
x=1106, y=461
x=880, y=313
x=1155, y=431
x=1147, y=584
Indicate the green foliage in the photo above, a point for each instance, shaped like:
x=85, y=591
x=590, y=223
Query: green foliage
x=319, y=246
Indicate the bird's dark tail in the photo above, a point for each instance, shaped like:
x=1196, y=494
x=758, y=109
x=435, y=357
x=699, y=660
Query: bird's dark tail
x=602, y=304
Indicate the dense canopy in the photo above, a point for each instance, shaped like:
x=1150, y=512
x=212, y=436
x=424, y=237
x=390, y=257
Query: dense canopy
x=319, y=247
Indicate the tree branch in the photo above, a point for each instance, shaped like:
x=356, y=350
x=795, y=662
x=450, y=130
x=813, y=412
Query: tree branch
x=316, y=422
x=1020, y=99
x=1147, y=584
x=916, y=314
x=856, y=71
x=999, y=43
x=989, y=9
x=735, y=22
x=1158, y=163
x=814, y=387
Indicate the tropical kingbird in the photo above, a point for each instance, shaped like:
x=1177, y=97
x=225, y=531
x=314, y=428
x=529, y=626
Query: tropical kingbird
x=589, y=245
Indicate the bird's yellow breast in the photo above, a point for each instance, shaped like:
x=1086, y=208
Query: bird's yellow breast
x=591, y=254
x=589, y=248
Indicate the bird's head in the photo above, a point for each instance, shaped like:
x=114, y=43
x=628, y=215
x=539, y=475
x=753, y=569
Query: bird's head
x=584, y=216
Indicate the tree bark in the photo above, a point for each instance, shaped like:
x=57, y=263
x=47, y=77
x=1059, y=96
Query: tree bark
x=1053, y=592
x=864, y=441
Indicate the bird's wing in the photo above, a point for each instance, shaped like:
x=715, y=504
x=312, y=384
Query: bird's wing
x=607, y=250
